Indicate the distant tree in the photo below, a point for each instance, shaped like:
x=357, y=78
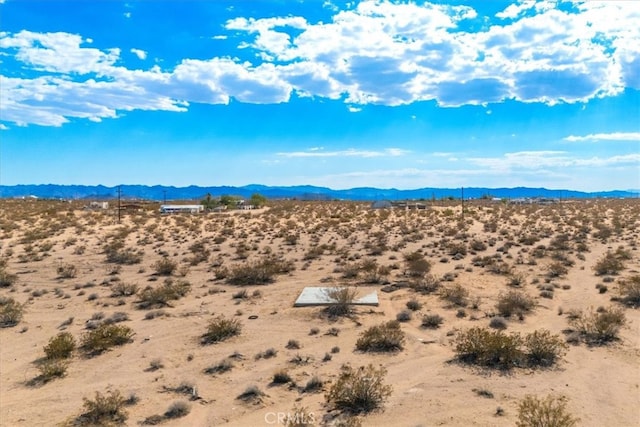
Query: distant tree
x=257, y=199
x=227, y=200
x=208, y=202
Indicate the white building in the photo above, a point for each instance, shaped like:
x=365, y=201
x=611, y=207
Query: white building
x=181, y=209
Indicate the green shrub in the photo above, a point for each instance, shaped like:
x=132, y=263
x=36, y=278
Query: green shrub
x=122, y=289
x=164, y=266
x=258, y=273
x=382, y=338
x=105, y=410
x=599, y=327
x=608, y=264
x=514, y=302
x=548, y=412
x=544, y=349
x=161, y=296
x=416, y=264
x=494, y=349
x=343, y=297
x=220, y=329
x=60, y=347
x=10, y=312
x=66, y=271
x=7, y=279
x=432, y=321
x=104, y=337
x=629, y=291
x=359, y=390
x=51, y=369
x=455, y=294
x=177, y=409
x=116, y=253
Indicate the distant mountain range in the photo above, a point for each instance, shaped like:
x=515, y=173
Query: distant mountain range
x=303, y=192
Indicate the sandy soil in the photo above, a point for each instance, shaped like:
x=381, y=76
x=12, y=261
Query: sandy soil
x=430, y=388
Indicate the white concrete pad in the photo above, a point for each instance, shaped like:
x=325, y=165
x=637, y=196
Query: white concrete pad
x=315, y=296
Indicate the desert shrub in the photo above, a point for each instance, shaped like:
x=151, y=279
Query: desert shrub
x=455, y=294
x=416, y=264
x=381, y=338
x=122, y=289
x=514, y=302
x=498, y=322
x=517, y=280
x=359, y=390
x=251, y=394
x=403, y=316
x=11, y=312
x=293, y=344
x=220, y=367
x=60, y=347
x=161, y=296
x=432, y=321
x=414, y=305
x=548, y=412
x=220, y=329
x=544, y=349
x=629, y=291
x=281, y=377
x=107, y=409
x=164, y=266
x=66, y=271
x=7, y=279
x=483, y=347
x=314, y=384
x=427, y=284
x=51, y=369
x=258, y=273
x=599, y=327
x=116, y=253
x=608, y=264
x=478, y=245
x=343, y=297
x=104, y=337
x=177, y=409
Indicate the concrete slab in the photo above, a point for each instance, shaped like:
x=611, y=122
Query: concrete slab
x=317, y=296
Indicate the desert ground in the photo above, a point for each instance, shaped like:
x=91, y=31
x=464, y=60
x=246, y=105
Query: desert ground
x=165, y=280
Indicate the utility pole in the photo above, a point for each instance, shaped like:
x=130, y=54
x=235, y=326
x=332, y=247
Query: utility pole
x=119, y=208
x=462, y=197
x=164, y=198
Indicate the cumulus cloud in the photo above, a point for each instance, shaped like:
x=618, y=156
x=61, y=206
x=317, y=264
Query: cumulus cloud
x=318, y=152
x=141, y=54
x=536, y=160
x=373, y=52
x=614, y=136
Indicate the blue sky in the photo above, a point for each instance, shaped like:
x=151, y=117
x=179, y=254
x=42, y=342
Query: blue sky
x=402, y=94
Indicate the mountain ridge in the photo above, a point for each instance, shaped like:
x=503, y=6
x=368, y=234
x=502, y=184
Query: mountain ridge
x=305, y=192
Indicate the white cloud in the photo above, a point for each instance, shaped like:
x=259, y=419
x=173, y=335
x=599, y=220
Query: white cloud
x=537, y=160
x=141, y=54
x=2, y=125
x=318, y=152
x=376, y=52
x=614, y=136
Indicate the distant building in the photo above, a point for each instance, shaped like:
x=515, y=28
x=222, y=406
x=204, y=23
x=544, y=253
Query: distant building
x=167, y=209
x=99, y=205
x=381, y=204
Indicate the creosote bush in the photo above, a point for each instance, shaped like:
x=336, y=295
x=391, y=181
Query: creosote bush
x=162, y=295
x=455, y=294
x=164, y=266
x=629, y=291
x=610, y=263
x=548, y=412
x=359, y=390
x=385, y=337
x=7, y=279
x=259, y=272
x=343, y=297
x=104, y=410
x=495, y=349
x=60, y=347
x=514, y=303
x=220, y=329
x=11, y=312
x=104, y=337
x=50, y=370
x=599, y=327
